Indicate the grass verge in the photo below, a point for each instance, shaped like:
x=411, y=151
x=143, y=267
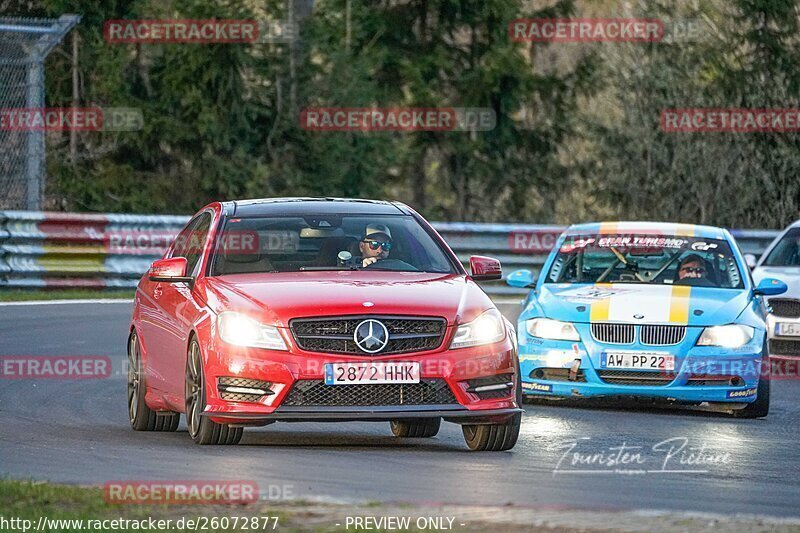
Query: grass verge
x=82, y=509
x=20, y=295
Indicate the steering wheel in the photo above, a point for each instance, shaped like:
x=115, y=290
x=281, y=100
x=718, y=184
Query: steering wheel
x=696, y=282
x=391, y=264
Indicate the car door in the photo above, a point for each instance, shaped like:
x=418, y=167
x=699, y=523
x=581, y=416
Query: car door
x=180, y=309
x=158, y=324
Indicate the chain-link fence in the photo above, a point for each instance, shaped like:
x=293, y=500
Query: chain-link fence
x=24, y=45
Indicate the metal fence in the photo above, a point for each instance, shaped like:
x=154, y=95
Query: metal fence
x=47, y=250
x=24, y=45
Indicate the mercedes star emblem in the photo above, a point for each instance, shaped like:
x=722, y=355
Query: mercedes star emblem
x=371, y=336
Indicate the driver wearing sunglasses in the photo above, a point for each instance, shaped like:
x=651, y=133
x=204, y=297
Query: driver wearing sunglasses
x=691, y=267
x=376, y=244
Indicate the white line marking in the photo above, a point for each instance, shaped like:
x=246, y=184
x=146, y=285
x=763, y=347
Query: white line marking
x=65, y=302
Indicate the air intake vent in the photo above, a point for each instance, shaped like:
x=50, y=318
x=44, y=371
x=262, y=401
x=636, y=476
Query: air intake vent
x=785, y=307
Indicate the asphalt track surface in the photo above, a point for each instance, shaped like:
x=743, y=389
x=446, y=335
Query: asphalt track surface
x=76, y=431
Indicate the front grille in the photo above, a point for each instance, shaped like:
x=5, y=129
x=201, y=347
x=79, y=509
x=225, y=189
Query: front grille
x=335, y=335
x=613, y=333
x=314, y=392
x=225, y=382
x=661, y=335
x=633, y=377
x=492, y=380
x=784, y=347
x=557, y=374
x=785, y=307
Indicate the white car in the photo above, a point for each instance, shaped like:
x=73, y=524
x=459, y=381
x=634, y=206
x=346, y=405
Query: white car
x=781, y=260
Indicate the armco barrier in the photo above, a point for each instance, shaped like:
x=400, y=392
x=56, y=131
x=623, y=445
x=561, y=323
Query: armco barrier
x=46, y=250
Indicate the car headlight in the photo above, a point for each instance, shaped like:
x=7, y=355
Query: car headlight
x=241, y=330
x=486, y=329
x=547, y=328
x=728, y=336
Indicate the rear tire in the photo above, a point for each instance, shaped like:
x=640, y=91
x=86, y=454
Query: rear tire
x=416, y=428
x=141, y=417
x=496, y=437
x=760, y=407
x=201, y=428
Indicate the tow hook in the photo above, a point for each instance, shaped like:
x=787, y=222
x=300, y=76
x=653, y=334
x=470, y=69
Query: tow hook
x=573, y=370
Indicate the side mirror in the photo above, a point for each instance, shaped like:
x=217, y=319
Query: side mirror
x=522, y=279
x=770, y=287
x=485, y=268
x=171, y=270
x=751, y=261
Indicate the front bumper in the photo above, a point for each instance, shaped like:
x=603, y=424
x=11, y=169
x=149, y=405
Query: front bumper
x=451, y=413
x=684, y=384
x=284, y=370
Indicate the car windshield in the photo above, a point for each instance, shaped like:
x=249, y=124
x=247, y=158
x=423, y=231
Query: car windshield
x=653, y=259
x=329, y=242
x=787, y=252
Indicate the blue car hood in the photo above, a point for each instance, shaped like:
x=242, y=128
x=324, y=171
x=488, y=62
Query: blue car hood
x=638, y=303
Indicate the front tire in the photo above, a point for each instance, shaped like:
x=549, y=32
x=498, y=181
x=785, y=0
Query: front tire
x=496, y=437
x=760, y=407
x=141, y=417
x=417, y=428
x=201, y=428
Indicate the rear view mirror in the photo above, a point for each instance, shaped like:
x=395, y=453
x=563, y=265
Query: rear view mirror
x=485, y=268
x=171, y=270
x=522, y=279
x=770, y=287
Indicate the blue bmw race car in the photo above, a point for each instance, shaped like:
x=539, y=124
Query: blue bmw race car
x=653, y=310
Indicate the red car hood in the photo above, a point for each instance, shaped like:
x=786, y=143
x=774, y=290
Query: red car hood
x=276, y=298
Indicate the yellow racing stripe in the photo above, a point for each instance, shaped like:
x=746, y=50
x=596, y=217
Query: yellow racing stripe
x=679, y=304
x=600, y=308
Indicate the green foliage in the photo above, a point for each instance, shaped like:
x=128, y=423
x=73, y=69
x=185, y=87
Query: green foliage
x=577, y=135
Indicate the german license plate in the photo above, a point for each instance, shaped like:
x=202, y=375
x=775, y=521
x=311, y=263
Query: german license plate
x=787, y=329
x=637, y=360
x=376, y=373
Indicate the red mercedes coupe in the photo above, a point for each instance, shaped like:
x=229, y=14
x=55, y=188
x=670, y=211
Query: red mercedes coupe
x=302, y=309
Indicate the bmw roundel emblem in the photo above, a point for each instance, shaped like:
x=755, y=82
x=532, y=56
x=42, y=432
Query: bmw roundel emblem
x=638, y=317
x=371, y=335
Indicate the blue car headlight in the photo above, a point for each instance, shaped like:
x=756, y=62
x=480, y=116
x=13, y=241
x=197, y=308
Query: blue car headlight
x=547, y=328
x=727, y=336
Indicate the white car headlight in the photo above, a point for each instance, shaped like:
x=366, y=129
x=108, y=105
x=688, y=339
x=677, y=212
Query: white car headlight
x=241, y=330
x=547, y=328
x=728, y=336
x=486, y=329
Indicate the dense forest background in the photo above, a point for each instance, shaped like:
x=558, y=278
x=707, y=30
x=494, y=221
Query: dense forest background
x=577, y=134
